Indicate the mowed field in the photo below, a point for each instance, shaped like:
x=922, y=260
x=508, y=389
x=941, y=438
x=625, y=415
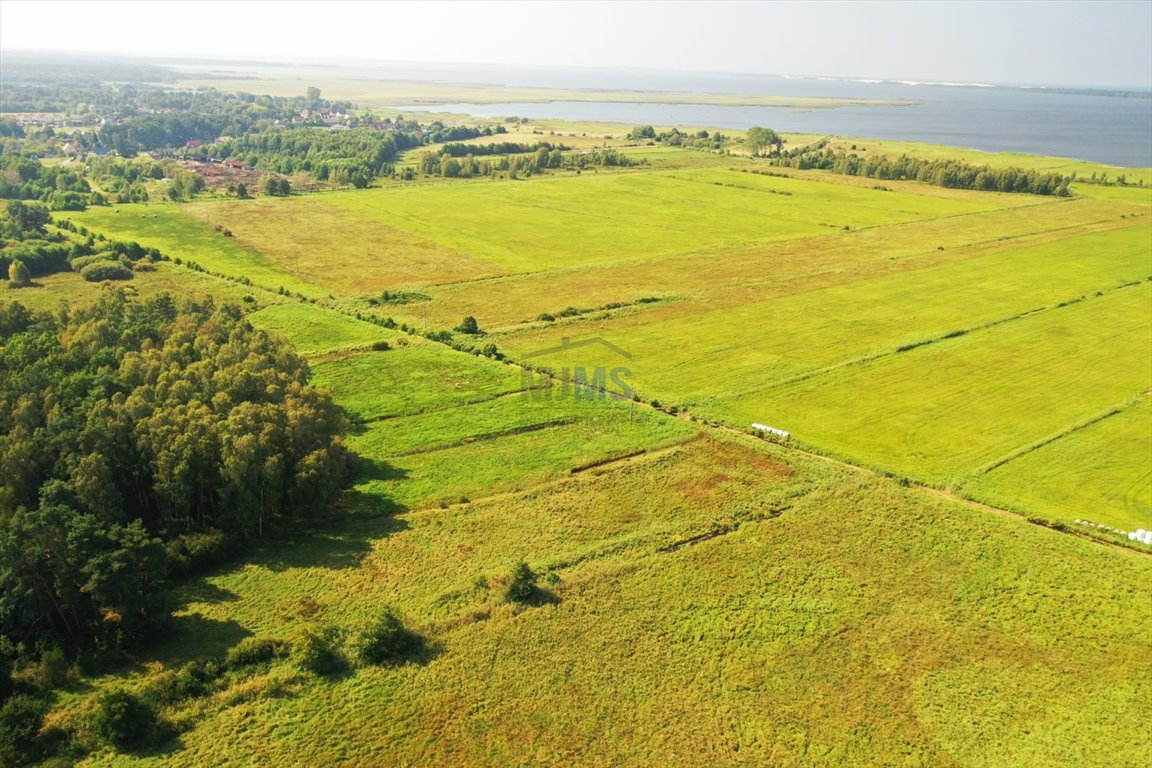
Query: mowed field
x=897, y=325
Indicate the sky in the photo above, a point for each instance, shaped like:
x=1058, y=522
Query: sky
x=1022, y=43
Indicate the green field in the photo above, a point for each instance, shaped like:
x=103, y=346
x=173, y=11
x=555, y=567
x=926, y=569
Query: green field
x=708, y=598
x=1098, y=473
x=855, y=628
x=945, y=410
x=313, y=330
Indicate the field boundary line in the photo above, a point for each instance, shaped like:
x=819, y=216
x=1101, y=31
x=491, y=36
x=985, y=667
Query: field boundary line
x=652, y=452
x=440, y=408
x=487, y=436
x=909, y=347
x=1024, y=450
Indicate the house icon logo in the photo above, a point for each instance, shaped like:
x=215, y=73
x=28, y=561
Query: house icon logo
x=580, y=382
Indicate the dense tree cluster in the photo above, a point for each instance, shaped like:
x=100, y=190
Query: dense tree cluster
x=760, y=141
x=63, y=188
x=674, y=137
x=134, y=435
x=954, y=174
x=28, y=249
x=448, y=163
x=355, y=156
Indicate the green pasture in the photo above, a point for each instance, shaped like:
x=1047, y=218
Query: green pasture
x=168, y=228
x=733, y=354
x=311, y=329
x=49, y=292
x=744, y=274
x=1101, y=473
x=868, y=624
x=415, y=377
x=943, y=411
x=448, y=475
x=533, y=224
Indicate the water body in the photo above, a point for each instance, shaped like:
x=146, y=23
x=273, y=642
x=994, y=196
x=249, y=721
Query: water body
x=1107, y=127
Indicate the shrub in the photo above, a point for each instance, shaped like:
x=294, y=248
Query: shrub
x=21, y=718
x=195, y=678
x=521, y=585
x=388, y=641
x=318, y=653
x=381, y=346
x=54, y=668
x=193, y=552
x=468, y=325
x=125, y=721
x=255, y=650
x=105, y=270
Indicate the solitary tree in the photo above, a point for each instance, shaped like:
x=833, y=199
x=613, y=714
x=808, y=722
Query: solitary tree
x=759, y=139
x=468, y=325
x=522, y=584
x=18, y=273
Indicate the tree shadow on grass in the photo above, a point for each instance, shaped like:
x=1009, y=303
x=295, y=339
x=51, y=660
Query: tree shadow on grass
x=200, y=590
x=542, y=596
x=362, y=518
x=192, y=637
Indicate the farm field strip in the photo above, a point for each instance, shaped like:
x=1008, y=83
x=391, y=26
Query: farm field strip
x=942, y=411
x=738, y=274
x=618, y=216
x=313, y=330
x=446, y=428
x=419, y=376
x=515, y=461
x=346, y=251
x=168, y=228
x=1101, y=472
x=748, y=347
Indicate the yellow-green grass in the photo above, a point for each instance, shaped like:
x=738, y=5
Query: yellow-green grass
x=312, y=330
x=182, y=283
x=1101, y=473
x=577, y=438
x=945, y=410
x=732, y=354
x=415, y=377
x=868, y=624
x=531, y=225
x=491, y=419
x=168, y=228
x=339, y=247
x=732, y=275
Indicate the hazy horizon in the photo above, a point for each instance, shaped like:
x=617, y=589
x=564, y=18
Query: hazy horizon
x=1070, y=44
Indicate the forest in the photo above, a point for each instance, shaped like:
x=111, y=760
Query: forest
x=141, y=440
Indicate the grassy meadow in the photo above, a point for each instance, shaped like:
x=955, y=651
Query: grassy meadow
x=949, y=363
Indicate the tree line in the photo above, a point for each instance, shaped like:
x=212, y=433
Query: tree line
x=954, y=174
x=448, y=163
